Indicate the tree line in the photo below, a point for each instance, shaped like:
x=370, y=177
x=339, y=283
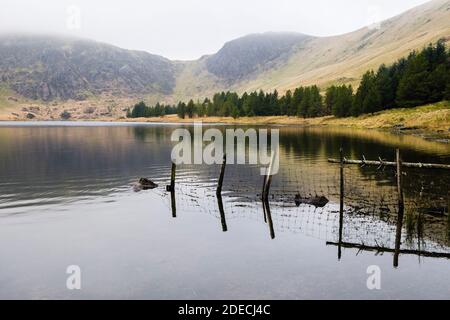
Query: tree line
x=141, y=110
x=422, y=77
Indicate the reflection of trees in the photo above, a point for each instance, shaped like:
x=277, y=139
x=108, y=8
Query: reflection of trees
x=367, y=189
x=77, y=161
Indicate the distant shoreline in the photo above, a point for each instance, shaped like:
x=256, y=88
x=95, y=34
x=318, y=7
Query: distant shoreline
x=430, y=122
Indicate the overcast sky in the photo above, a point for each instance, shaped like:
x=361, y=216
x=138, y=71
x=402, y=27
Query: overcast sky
x=188, y=29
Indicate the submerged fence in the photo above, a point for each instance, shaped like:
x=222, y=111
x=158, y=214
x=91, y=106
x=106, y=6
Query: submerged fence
x=373, y=205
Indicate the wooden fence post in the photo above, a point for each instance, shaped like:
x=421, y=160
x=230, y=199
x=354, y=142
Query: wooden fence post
x=265, y=197
x=268, y=178
x=222, y=174
x=263, y=187
x=401, y=209
x=341, y=201
x=172, y=191
x=172, y=176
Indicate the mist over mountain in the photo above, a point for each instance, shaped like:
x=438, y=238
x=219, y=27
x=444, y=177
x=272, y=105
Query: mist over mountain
x=47, y=68
x=50, y=68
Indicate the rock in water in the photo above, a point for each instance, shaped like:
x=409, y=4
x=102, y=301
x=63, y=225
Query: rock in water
x=318, y=202
x=147, y=184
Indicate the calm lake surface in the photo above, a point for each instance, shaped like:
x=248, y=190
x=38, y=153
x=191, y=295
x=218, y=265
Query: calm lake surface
x=68, y=196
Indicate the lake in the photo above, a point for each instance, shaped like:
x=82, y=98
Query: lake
x=69, y=196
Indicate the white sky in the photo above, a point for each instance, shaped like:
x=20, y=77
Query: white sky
x=188, y=29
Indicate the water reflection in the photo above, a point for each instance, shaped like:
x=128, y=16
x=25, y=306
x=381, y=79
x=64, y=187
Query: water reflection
x=49, y=167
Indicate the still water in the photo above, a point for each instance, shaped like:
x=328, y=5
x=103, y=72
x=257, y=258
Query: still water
x=68, y=196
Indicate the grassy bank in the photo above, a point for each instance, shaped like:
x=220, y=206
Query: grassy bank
x=434, y=118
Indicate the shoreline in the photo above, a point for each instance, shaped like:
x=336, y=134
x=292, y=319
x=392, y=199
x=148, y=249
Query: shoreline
x=430, y=121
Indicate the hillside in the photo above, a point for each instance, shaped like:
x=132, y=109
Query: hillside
x=328, y=60
x=55, y=73
x=343, y=59
x=241, y=58
x=48, y=68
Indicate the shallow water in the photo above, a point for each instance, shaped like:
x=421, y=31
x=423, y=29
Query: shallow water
x=67, y=197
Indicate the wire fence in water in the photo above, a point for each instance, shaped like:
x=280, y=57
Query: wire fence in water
x=305, y=198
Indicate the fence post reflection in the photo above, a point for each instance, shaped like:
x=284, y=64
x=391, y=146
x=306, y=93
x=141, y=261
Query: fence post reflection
x=401, y=208
x=222, y=213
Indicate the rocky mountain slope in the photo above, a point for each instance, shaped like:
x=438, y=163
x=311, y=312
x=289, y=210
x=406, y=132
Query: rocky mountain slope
x=240, y=58
x=48, y=68
x=42, y=69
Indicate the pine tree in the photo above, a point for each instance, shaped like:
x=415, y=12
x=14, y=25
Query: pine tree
x=414, y=86
x=330, y=99
x=385, y=88
x=235, y=112
x=190, y=109
x=315, y=107
x=181, y=110
x=343, y=101
x=367, y=82
x=139, y=110
x=288, y=103
x=297, y=100
x=372, y=100
x=304, y=105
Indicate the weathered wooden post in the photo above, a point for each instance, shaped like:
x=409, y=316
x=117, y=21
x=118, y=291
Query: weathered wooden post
x=173, y=203
x=266, y=191
x=266, y=205
x=264, y=208
x=341, y=201
x=401, y=208
x=263, y=192
x=219, y=193
x=172, y=177
x=172, y=190
x=268, y=178
x=222, y=174
x=263, y=187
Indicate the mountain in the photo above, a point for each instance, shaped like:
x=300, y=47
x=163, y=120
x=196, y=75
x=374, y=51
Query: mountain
x=48, y=68
x=240, y=58
x=54, y=68
x=344, y=58
x=322, y=60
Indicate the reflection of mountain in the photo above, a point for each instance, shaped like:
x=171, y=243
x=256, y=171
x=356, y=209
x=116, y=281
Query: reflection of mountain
x=52, y=162
x=45, y=165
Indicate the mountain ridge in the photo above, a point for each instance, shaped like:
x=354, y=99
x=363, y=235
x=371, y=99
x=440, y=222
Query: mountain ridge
x=49, y=68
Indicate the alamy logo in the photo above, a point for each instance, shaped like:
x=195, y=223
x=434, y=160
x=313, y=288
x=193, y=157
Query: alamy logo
x=192, y=150
x=73, y=282
x=73, y=21
x=374, y=279
x=374, y=17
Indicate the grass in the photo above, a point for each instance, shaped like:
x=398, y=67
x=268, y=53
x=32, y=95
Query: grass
x=433, y=118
